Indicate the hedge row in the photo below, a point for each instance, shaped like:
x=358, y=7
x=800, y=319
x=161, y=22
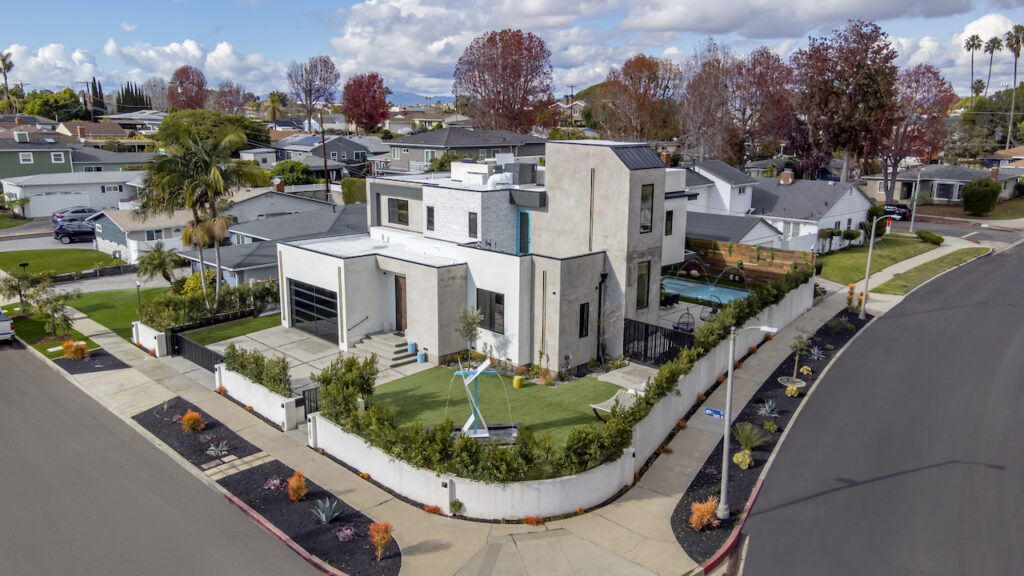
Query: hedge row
x=272, y=373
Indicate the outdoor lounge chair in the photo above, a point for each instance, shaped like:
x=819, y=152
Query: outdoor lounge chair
x=686, y=321
x=626, y=398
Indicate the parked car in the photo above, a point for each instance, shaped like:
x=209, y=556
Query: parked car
x=72, y=214
x=898, y=211
x=6, y=329
x=68, y=232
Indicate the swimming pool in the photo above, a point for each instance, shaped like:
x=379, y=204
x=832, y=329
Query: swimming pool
x=701, y=290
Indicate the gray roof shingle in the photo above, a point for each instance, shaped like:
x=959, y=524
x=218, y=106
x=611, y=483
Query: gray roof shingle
x=726, y=173
x=943, y=172
x=721, y=227
x=465, y=138
x=335, y=221
x=241, y=256
x=800, y=200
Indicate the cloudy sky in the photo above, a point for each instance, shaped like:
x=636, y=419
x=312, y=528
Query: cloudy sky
x=414, y=44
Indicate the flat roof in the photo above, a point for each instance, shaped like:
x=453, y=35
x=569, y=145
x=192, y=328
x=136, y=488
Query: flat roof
x=444, y=180
x=410, y=249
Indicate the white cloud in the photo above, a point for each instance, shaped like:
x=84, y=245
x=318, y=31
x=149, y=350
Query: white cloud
x=50, y=67
x=129, y=27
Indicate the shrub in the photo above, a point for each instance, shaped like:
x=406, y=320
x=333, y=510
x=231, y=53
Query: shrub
x=193, y=285
x=534, y=520
x=704, y=514
x=720, y=379
x=743, y=459
x=345, y=533
x=748, y=436
x=752, y=350
x=297, y=486
x=432, y=509
x=192, y=421
x=792, y=391
x=73, y=350
x=851, y=235
x=456, y=506
x=222, y=390
x=980, y=196
x=930, y=237
x=325, y=510
x=380, y=536
x=271, y=373
x=681, y=424
x=770, y=426
x=342, y=383
x=353, y=190
x=579, y=511
x=701, y=397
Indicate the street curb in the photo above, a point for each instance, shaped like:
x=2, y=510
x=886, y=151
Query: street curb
x=269, y=527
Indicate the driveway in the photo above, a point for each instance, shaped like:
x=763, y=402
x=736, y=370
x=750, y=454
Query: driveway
x=36, y=226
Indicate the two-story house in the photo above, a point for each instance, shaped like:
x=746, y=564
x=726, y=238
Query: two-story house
x=413, y=153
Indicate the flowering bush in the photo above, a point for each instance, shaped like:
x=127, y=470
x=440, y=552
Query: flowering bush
x=380, y=536
x=192, y=421
x=364, y=476
x=73, y=350
x=806, y=370
x=248, y=408
x=579, y=511
x=752, y=350
x=432, y=509
x=792, y=391
x=743, y=459
x=222, y=390
x=704, y=514
x=534, y=520
x=297, y=486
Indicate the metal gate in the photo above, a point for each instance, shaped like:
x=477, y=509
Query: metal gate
x=311, y=400
x=652, y=345
x=195, y=352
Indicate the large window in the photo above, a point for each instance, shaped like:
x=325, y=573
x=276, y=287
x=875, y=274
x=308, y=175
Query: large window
x=396, y=153
x=152, y=235
x=472, y=225
x=429, y=155
x=492, y=306
x=398, y=211
x=430, y=217
x=668, y=223
x=584, y=319
x=646, y=208
x=643, y=284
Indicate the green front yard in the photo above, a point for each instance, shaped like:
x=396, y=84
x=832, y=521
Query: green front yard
x=420, y=400
x=60, y=261
x=115, y=309
x=907, y=281
x=847, y=266
x=233, y=329
x=33, y=329
x=8, y=221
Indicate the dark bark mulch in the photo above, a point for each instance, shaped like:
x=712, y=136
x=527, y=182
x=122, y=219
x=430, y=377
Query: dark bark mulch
x=161, y=421
x=97, y=361
x=702, y=545
x=356, y=557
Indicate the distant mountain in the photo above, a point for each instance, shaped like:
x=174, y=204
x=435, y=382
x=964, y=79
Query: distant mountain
x=399, y=98
x=589, y=93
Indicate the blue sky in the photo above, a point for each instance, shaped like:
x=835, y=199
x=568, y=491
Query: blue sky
x=414, y=44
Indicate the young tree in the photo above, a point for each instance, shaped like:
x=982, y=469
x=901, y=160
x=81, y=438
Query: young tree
x=993, y=45
x=21, y=282
x=504, y=75
x=293, y=172
x=187, y=88
x=923, y=101
x=364, y=101
x=274, y=106
x=639, y=100
x=230, y=98
x=1014, y=41
x=53, y=305
x=469, y=324
x=158, y=261
x=313, y=81
x=972, y=44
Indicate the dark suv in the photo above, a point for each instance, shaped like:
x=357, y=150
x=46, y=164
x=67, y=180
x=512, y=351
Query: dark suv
x=68, y=232
x=898, y=211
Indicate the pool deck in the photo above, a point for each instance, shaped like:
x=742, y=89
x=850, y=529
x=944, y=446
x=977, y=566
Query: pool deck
x=668, y=315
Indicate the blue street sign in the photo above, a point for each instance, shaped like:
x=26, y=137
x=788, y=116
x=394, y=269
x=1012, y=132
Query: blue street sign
x=714, y=413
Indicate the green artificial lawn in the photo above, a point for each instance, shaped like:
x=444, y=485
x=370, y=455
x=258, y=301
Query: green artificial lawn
x=32, y=329
x=115, y=309
x=58, y=260
x=907, y=281
x=233, y=329
x=8, y=221
x=420, y=399
x=847, y=266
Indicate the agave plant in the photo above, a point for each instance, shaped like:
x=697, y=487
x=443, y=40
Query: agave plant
x=748, y=436
x=218, y=450
x=816, y=353
x=768, y=410
x=325, y=510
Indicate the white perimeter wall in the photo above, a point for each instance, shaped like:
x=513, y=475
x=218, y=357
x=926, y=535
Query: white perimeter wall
x=274, y=407
x=149, y=338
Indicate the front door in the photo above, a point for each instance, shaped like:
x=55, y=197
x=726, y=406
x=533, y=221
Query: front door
x=401, y=319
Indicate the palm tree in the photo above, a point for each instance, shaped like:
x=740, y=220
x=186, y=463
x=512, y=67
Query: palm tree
x=158, y=261
x=972, y=43
x=5, y=66
x=1014, y=39
x=994, y=44
x=274, y=108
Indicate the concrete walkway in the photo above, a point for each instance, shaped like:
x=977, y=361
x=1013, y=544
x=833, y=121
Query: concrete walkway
x=631, y=536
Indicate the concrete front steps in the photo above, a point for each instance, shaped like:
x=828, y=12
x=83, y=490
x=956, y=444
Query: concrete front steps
x=390, y=348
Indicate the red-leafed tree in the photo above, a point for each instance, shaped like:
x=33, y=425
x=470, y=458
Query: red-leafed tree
x=505, y=76
x=639, y=101
x=187, y=88
x=923, y=101
x=364, y=100
x=230, y=98
x=760, y=98
x=313, y=81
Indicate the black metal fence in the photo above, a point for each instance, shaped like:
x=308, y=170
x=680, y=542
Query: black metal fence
x=652, y=345
x=195, y=352
x=311, y=400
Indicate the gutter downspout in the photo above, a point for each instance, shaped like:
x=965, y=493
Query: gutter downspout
x=600, y=300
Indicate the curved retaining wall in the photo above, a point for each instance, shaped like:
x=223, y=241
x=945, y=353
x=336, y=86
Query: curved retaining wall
x=272, y=406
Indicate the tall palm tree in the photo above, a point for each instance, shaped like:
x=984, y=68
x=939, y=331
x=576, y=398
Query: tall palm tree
x=1014, y=40
x=994, y=44
x=158, y=261
x=972, y=43
x=6, y=65
x=274, y=108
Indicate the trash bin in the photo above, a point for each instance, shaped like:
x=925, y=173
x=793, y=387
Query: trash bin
x=410, y=347
x=421, y=357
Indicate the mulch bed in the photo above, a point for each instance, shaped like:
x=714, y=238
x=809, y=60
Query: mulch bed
x=356, y=557
x=702, y=545
x=161, y=421
x=97, y=361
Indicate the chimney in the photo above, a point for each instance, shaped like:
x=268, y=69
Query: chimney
x=81, y=131
x=787, y=177
x=279, y=186
x=667, y=159
x=17, y=120
x=994, y=173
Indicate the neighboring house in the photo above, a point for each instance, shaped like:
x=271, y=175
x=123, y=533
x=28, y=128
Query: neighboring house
x=570, y=110
x=25, y=155
x=85, y=159
x=554, y=280
x=98, y=134
x=799, y=208
x=140, y=121
x=413, y=153
x=239, y=264
x=1001, y=158
x=123, y=234
x=259, y=203
x=731, y=191
x=265, y=158
x=829, y=172
x=751, y=230
x=940, y=183
x=407, y=120
x=19, y=121
x=287, y=125
x=48, y=193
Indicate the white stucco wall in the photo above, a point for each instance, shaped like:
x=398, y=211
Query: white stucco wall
x=673, y=248
x=274, y=407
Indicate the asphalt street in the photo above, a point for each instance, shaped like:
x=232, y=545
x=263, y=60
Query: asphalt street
x=84, y=494
x=965, y=230
x=907, y=458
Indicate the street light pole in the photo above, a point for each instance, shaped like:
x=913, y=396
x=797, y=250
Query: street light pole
x=138, y=296
x=913, y=205
x=723, y=502
x=867, y=272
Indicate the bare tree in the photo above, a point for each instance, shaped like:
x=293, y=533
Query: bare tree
x=638, y=101
x=156, y=90
x=708, y=125
x=230, y=98
x=313, y=81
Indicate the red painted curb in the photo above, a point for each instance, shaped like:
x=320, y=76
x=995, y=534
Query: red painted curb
x=734, y=538
x=259, y=519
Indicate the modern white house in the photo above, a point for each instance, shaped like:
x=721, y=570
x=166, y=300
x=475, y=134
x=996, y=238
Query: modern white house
x=47, y=193
x=557, y=257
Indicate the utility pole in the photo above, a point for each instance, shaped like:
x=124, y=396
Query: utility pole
x=323, y=147
x=88, y=90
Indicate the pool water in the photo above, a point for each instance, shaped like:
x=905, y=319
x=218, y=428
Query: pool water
x=701, y=290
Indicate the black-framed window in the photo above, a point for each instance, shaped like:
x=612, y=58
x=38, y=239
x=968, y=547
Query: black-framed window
x=643, y=284
x=430, y=217
x=668, y=223
x=472, y=225
x=492, y=306
x=584, y=319
x=646, y=208
x=398, y=211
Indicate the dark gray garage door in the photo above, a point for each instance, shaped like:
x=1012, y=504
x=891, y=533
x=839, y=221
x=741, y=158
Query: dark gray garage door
x=314, y=310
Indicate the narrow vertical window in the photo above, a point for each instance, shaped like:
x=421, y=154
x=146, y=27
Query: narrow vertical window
x=472, y=225
x=668, y=223
x=430, y=218
x=643, y=281
x=584, y=319
x=646, y=208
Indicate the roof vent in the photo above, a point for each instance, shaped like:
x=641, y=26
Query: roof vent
x=20, y=136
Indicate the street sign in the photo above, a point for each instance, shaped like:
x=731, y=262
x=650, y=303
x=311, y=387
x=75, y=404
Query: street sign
x=714, y=413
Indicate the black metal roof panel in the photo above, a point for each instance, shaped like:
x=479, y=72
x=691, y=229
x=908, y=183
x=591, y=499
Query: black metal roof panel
x=639, y=157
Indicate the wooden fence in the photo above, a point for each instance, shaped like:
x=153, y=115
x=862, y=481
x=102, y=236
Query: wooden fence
x=761, y=264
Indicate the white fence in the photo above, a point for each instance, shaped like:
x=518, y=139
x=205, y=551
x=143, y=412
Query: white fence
x=554, y=496
x=280, y=410
x=150, y=339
